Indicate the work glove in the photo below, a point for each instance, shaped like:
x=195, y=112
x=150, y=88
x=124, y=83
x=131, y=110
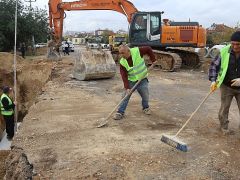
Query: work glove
x=236, y=82
x=128, y=91
x=213, y=86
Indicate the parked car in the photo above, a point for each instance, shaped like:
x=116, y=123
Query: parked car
x=93, y=45
x=71, y=46
x=38, y=45
x=104, y=46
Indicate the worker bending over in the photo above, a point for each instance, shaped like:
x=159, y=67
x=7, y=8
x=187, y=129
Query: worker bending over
x=132, y=69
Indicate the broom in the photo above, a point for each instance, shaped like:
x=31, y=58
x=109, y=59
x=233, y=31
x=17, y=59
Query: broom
x=104, y=123
x=172, y=140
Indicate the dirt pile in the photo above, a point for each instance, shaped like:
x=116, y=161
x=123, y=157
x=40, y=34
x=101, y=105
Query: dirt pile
x=41, y=51
x=17, y=165
x=31, y=76
x=6, y=76
x=3, y=156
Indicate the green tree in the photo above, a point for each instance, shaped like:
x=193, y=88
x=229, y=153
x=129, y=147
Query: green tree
x=30, y=23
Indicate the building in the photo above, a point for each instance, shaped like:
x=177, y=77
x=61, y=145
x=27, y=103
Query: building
x=77, y=40
x=103, y=32
x=218, y=28
x=121, y=32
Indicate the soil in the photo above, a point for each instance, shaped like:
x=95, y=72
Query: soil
x=31, y=77
x=3, y=156
x=60, y=138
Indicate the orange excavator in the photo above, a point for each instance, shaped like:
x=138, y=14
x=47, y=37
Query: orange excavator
x=170, y=40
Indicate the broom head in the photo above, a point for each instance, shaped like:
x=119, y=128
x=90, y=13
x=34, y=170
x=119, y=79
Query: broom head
x=174, y=142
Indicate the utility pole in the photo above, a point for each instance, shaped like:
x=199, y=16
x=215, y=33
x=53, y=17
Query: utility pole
x=30, y=1
x=15, y=71
x=30, y=10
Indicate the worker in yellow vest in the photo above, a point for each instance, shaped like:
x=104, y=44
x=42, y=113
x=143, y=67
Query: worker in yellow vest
x=224, y=73
x=7, y=110
x=133, y=69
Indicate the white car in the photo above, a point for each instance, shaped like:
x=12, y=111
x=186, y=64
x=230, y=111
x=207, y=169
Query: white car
x=93, y=45
x=104, y=46
x=71, y=46
x=38, y=45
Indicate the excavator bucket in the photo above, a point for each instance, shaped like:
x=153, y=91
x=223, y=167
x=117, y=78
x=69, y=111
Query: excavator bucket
x=52, y=53
x=94, y=64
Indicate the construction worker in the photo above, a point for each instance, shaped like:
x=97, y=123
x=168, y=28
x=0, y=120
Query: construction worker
x=7, y=110
x=224, y=72
x=23, y=49
x=132, y=69
x=67, y=46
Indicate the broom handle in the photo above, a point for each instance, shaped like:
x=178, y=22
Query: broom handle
x=128, y=94
x=194, y=113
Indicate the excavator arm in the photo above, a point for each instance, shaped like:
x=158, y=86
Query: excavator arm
x=57, y=14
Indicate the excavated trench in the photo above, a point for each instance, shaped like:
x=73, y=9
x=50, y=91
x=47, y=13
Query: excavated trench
x=32, y=75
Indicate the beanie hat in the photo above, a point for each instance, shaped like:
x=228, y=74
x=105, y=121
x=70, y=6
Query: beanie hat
x=6, y=89
x=236, y=36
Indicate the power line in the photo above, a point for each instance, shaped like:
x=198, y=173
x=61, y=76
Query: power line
x=30, y=1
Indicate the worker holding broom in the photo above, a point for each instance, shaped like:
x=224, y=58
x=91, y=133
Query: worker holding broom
x=133, y=69
x=224, y=72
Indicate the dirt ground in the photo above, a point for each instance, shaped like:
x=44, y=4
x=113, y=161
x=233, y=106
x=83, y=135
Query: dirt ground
x=31, y=77
x=3, y=156
x=60, y=138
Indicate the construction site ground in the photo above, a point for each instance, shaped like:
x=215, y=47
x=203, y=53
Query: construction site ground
x=60, y=138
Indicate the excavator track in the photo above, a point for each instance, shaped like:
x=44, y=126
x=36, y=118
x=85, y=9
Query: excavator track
x=167, y=61
x=173, y=59
x=190, y=58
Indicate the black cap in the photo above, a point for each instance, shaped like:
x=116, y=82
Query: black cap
x=6, y=89
x=236, y=36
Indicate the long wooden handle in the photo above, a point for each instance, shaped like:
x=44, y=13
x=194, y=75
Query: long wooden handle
x=127, y=95
x=194, y=113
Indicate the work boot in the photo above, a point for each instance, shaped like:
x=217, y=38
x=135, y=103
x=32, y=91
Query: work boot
x=226, y=131
x=147, y=111
x=9, y=138
x=118, y=116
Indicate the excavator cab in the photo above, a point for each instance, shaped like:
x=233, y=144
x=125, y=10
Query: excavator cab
x=173, y=42
x=145, y=29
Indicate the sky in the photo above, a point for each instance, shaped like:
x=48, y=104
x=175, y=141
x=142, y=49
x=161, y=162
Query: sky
x=206, y=12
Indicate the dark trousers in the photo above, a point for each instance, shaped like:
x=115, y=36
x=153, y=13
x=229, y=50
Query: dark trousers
x=9, y=120
x=67, y=51
x=227, y=95
x=142, y=89
x=23, y=54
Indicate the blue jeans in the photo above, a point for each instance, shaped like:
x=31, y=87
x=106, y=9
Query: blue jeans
x=142, y=89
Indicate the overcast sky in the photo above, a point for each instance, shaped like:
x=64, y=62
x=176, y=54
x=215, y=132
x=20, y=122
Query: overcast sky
x=205, y=12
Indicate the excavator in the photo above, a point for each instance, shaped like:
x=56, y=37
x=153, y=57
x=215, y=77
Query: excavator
x=169, y=40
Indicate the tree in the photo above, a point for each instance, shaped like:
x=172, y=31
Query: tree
x=30, y=23
x=219, y=33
